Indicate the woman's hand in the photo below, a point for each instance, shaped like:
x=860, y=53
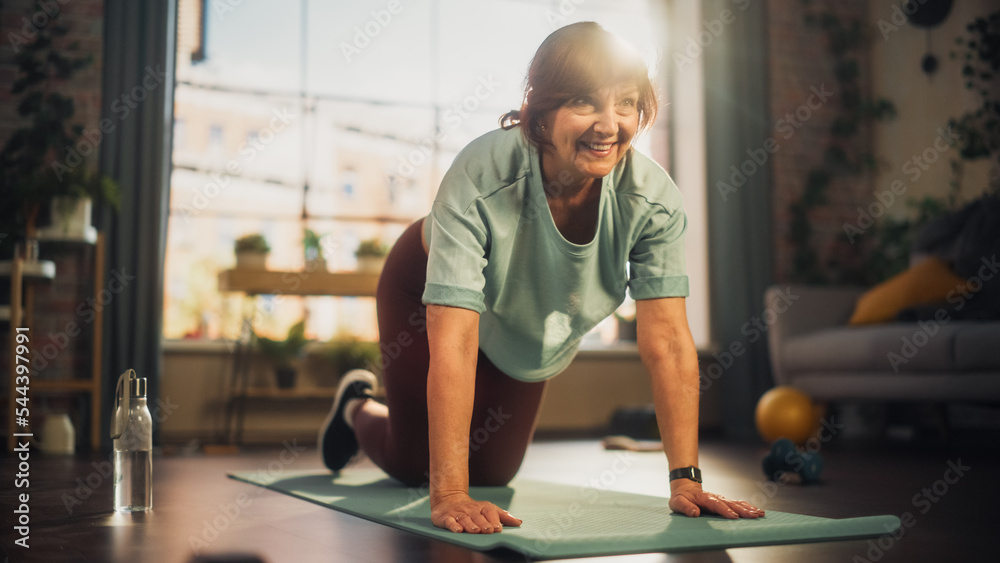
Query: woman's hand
x=689, y=499
x=458, y=512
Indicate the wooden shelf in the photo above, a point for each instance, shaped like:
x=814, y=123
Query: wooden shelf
x=66, y=385
x=268, y=282
x=37, y=270
x=293, y=393
x=54, y=234
x=24, y=275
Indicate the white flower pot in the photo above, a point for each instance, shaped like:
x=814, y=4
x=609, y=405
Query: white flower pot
x=58, y=435
x=70, y=219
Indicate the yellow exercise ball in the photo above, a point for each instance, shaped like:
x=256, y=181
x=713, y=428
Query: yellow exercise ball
x=786, y=412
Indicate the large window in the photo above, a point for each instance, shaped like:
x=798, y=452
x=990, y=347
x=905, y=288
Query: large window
x=339, y=117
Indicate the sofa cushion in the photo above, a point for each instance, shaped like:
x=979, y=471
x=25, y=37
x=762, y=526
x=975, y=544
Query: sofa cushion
x=892, y=348
x=977, y=347
x=927, y=281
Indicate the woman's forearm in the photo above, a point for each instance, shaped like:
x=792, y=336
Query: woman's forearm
x=674, y=379
x=669, y=356
x=451, y=381
x=449, y=413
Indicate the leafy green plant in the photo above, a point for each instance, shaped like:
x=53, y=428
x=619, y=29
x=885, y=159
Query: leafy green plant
x=41, y=161
x=893, y=239
x=312, y=245
x=252, y=243
x=310, y=239
x=347, y=353
x=979, y=129
x=372, y=247
x=283, y=352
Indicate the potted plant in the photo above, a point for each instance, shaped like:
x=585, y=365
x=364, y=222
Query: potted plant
x=251, y=252
x=371, y=255
x=311, y=245
x=347, y=353
x=283, y=353
x=48, y=166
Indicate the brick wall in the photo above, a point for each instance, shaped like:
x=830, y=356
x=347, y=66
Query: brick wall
x=798, y=60
x=799, y=63
x=61, y=333
x=85, y=19
x=63, y=354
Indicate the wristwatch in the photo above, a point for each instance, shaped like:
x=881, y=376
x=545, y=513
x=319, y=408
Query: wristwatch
x=691, y=472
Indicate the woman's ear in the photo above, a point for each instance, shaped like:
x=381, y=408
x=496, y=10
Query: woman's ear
x=543, y=125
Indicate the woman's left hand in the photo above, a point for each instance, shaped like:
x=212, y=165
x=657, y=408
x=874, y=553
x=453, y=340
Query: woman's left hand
x=691, y=500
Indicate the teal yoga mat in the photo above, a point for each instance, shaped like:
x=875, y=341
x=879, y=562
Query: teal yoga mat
x=563, y=521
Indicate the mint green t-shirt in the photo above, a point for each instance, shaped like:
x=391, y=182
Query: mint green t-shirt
x=495, y=249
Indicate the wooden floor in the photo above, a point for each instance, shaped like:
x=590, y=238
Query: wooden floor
x=196, y=505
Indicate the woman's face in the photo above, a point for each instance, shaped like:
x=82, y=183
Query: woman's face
x=590, y=134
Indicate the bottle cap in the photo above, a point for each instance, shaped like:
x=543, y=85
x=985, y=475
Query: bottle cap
x=137, y=387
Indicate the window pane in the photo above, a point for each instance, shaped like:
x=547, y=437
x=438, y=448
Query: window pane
x=369, y=160
x=340, y=117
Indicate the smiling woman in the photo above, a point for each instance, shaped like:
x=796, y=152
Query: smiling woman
x=535, y=234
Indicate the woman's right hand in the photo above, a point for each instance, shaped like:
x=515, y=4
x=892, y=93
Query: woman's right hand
x=458, y=512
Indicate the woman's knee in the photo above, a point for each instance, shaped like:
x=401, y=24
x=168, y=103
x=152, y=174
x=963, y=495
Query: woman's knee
x=496, y=474
x=408, y=473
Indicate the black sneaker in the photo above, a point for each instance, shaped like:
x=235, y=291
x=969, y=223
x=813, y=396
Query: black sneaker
x=337, y=442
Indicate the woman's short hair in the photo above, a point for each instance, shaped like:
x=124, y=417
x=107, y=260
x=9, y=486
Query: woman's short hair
x=575, y=60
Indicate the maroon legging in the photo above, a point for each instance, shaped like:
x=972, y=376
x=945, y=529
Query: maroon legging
x=504, y=409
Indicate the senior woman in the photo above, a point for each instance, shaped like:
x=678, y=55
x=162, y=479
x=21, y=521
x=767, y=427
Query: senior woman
x=523, y=252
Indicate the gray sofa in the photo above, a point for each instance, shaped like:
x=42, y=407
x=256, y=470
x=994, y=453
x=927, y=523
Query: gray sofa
x=812, y=348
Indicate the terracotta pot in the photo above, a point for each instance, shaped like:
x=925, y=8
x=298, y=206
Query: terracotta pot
x=250, y=260
x=371, y=264
x=316, y=265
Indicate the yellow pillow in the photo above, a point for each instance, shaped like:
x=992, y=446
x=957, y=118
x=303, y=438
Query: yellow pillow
x=928, y=281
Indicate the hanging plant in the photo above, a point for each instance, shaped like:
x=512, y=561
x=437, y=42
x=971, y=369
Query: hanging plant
x=978, y=138
x=979, y=129
x=844, y=157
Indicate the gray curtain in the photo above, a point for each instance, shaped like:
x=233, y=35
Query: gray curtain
x=740, y=238
x=138, y=87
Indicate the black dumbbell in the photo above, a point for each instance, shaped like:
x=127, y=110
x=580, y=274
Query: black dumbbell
x=785, y=458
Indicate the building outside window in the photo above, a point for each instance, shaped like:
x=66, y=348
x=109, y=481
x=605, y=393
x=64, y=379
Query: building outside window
x=345, y=132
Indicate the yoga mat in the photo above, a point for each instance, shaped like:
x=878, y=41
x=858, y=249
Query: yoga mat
x=564, y=521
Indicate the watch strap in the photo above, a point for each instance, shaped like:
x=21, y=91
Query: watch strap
x=691, y=472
